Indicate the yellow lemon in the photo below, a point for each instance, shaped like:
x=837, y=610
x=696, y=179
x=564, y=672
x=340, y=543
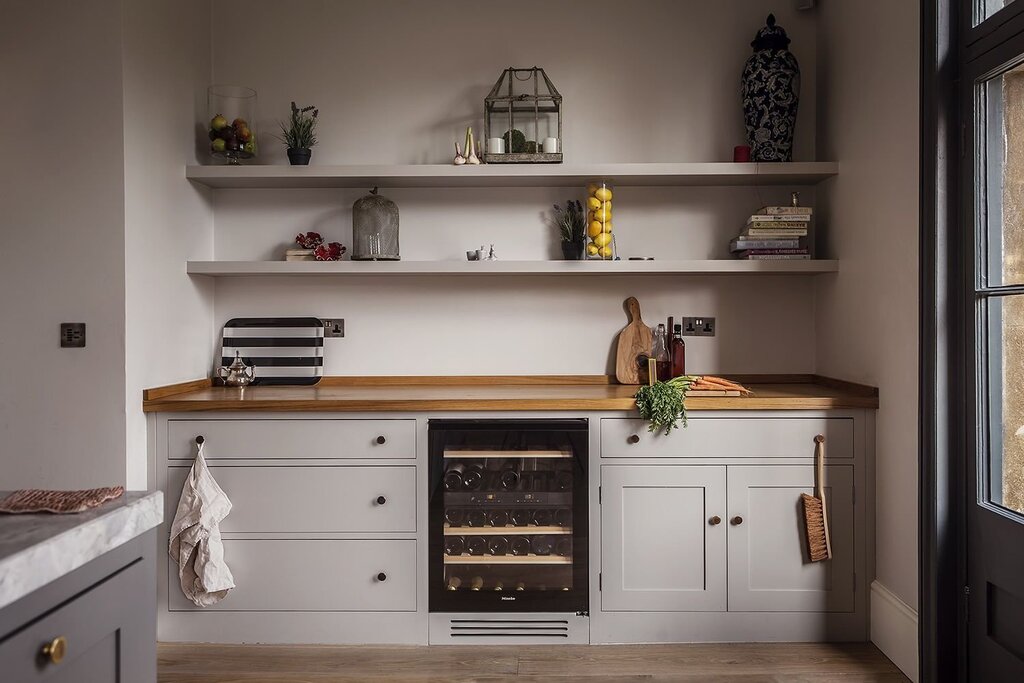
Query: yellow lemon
x=607, y=206
x=605, y=252
x=603, y=239
x=593, y=203
x=591, y=188
x=603, y=193
x=590, y=216
x=592, y=249
x=602, y=215
x=594, y=229
x=606, y=227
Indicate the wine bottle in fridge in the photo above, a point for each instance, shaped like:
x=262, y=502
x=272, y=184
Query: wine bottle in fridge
x=522, y=517
x=498, y=518
x=476, y=518
x=454, y=545
x=453, y=477
x=542, y=517
x=498, y=545
x=453, y=583
x=508, y=477
x=476, y=583
x=563, y=517
x=542, y=545
x=520, y=545
x=564, y=547
x=454, y=516
x=477, y=545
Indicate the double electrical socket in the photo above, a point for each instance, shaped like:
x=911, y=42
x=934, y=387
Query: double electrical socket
x=700, y=326
x=333, y=327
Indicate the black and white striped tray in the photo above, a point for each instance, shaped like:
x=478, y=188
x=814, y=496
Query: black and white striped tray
x=282, y=350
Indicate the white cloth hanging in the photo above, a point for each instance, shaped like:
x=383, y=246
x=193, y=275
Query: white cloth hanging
x=195, y=543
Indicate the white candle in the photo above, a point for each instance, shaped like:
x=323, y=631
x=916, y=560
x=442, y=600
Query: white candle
x=495, y=145
x=550, y=145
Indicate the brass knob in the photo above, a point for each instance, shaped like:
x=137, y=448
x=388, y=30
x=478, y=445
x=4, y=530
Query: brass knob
x=381, y=500
x=382, y=577
x=715, y=521
x=737, y=520
x=55, y=650
x=634, y=438
x=381, y=440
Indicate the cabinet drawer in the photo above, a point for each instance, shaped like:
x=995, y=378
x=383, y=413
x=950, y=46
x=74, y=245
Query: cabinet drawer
x=291, y=439
x=311, y=499
x=313, y=576
x=728, y=437
x=99, y=630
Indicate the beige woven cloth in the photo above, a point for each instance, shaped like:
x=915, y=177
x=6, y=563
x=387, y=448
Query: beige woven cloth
x=59, y=502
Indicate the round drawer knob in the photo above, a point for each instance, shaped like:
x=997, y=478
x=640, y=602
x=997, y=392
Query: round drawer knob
x=633, y=438
x=737, y=520
x=382, y=577
x=200, y=440
x=715, y=521
x=381, y=500
x=55, y=650
x=381, y=440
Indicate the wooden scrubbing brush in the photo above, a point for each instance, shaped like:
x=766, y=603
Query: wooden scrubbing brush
x=819, y=545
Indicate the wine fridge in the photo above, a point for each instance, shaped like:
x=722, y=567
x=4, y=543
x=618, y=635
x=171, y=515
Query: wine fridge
x=508, y=519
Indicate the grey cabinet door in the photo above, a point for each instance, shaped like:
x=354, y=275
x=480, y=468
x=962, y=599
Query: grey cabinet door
x=768, y=566
x=661, y=550
x=104, y=641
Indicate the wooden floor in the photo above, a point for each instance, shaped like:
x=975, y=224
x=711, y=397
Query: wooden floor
x=746, y=663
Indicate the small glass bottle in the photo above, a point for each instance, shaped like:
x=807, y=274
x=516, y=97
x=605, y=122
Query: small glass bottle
x=678, y=352
x=659, y=352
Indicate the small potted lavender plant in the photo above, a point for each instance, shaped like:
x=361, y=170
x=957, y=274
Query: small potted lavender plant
x=572, y=227
x=299, y=134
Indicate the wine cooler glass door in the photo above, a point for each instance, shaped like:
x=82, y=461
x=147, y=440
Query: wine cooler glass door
x=508, y=516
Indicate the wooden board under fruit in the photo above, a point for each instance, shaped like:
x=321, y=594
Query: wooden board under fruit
x=712, y=392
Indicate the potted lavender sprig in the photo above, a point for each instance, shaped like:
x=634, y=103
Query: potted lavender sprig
x=572, y=227
x=299, y=134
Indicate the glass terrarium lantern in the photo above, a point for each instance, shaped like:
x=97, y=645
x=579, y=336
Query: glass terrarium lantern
x=375, y=228
x=523, y=119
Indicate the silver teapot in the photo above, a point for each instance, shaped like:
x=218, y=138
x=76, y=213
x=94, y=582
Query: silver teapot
x=238, y=374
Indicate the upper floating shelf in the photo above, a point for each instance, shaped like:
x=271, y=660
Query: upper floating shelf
x=488, y=268
x=514, y=175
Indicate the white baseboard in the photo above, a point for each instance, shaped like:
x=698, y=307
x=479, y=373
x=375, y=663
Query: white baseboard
x=894, y=629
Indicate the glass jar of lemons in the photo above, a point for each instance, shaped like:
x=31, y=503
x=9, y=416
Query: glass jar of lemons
x=600, y=241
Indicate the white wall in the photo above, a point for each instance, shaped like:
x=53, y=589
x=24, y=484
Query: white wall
x=167, y=220
x=657, y=80
x=62, y=411
x=867, y=314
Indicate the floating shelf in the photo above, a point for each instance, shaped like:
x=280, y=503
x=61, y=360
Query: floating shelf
x=492, y=268
x=513, y=175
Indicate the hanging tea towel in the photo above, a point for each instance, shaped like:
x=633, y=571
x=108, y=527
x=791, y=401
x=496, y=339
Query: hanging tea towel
x=195, y=537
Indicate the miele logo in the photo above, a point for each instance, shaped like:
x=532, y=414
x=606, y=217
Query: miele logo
x=508, y=597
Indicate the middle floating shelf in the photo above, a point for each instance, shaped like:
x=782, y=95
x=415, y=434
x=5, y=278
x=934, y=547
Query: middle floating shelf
x=488, y=268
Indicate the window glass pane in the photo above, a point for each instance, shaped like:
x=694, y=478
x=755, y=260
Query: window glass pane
x=1004, y=177
x=986, y=8
x=1005, y=352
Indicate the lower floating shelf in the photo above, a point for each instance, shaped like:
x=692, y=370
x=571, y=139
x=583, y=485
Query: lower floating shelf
x=488, y=268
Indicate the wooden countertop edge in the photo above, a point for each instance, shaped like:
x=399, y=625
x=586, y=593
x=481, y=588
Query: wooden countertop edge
x=172, y=398
x=511, y=405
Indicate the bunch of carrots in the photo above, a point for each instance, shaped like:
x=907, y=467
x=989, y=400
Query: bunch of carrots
x=663, y=403
x=712, y=383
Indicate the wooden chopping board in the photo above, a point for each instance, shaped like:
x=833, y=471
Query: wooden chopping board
x=635, y=340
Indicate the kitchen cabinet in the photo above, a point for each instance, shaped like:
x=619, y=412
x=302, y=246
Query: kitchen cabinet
x=768, y=566
x=663, y=549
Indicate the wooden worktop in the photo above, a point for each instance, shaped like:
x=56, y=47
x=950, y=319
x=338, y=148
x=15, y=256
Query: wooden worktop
x=421, y=394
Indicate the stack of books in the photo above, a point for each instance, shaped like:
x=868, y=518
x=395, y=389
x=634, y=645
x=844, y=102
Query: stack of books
x=774, y=233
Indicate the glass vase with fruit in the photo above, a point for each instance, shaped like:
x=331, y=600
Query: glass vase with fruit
x=600, y=241
x=232, y=114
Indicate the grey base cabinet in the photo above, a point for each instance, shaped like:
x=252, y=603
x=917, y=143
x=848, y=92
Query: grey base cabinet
x=94, y=625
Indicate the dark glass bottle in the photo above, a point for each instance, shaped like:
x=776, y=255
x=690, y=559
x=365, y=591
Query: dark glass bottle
x=477, y=545
x=521, y=517
x=563, y=517
x=453, y=477
x=454, y=545
x=564, y=547
x=542, y=545
x=563, y=480
x=520, y=545
x=678, y=352
x=498, y=518
x=508, y=478
x=542, y=517
x=454, y=516
x=472, y=477
x=498, y=545
x=476, y=518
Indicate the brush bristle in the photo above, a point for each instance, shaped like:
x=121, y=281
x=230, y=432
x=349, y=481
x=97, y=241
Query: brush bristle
x=817, y=545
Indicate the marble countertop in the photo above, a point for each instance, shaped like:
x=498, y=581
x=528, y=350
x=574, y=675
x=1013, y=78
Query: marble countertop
x=36, y=549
